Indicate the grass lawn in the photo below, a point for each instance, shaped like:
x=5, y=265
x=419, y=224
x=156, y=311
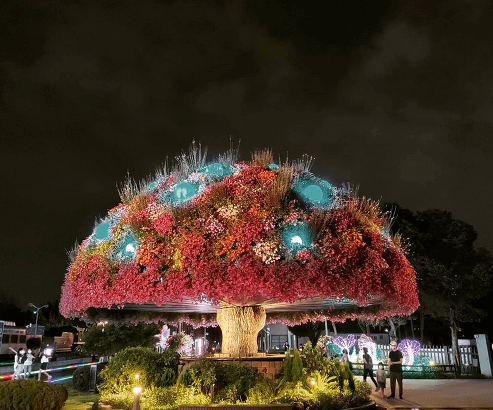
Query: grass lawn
x=79, y=400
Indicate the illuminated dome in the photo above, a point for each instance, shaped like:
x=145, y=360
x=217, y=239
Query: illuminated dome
x=229, y=233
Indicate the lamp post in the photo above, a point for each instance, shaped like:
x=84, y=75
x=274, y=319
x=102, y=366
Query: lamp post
x=37, y=312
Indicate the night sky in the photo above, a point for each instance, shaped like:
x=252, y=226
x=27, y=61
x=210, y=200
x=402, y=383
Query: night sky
x=392, y=96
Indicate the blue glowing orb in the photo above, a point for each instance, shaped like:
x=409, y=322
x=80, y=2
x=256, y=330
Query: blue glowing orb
x=273, y=166
x=315, y=192
x=127, y=249
x=217, y=170
x=297, y=237
x=102, y=231
x=184, y=191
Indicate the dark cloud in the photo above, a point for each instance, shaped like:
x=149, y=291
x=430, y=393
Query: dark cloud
x=394, y=97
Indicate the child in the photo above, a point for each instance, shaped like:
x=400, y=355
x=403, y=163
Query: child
x=381, y=378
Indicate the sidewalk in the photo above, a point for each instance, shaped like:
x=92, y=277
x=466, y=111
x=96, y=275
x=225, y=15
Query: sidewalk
x=423, y=394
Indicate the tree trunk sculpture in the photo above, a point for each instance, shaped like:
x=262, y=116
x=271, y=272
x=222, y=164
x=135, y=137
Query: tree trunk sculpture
x=240, y=326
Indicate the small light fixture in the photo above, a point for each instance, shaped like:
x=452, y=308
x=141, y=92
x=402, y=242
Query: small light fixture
x=137, y=390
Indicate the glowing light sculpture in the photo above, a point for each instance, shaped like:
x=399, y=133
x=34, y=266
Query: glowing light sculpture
x=127, y=248
x=239, y=244
x=410, y=349
x=314, y=191
x=345, y=342
x=297, y=236
x=369, y=343
x=217, y=170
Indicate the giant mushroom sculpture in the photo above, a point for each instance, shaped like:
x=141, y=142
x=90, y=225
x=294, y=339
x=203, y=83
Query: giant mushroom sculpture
x=239, y=243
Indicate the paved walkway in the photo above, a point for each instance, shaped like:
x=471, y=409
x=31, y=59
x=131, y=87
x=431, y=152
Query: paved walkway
x=423, y=394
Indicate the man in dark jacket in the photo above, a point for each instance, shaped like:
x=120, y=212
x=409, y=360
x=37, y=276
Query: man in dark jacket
x=395, y=368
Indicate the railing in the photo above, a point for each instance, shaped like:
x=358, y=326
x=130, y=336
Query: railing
x=443, y=354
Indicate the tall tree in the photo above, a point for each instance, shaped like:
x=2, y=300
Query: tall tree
x=110, y=339
x=312, y=330
x=451, y=273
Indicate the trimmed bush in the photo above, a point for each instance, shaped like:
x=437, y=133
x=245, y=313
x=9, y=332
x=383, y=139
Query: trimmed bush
x=31, y=394
x=154, y=369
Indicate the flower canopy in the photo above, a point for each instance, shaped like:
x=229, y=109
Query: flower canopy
x=240, y=233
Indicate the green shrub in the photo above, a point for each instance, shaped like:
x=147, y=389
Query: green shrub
x=31, y=394
x=122, y=400
x=189, y=376
x=294, y=393
x=191, y=396
x=239, y=375
x=230, y=380
x=297, y=367
x=361, y=394
x=264, y=392
x=333, y=367
x=154, y=370
x=287, y=368
x=314, y=359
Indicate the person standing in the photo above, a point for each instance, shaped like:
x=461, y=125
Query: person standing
x=381, y=378
x=368, y=367
x=395, y=368
x=28, y=364
x=20, y=358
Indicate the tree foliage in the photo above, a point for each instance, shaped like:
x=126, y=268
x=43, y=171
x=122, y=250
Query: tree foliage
x=110, y=339
x=312, y=330
x=451, y=272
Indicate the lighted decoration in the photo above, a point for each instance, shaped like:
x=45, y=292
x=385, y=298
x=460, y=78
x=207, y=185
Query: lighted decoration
x=410, y=349
x=345, y=343
x=217, y=170
x=102, y=231
x=181, y=343
x=127, y=248
x=163, y=336
x=314, y=191
x=369, y=343
x=183, y=192
x=239, y=234
x=297, y=236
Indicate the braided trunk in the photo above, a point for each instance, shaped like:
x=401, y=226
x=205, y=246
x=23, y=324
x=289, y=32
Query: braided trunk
x=240, y=326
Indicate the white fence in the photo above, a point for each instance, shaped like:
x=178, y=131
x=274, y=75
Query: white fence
x=443, y=354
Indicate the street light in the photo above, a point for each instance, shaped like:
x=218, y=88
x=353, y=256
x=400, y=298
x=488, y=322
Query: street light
x=37, y=312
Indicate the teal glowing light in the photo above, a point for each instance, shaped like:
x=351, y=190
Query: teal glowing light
x=314, y=191
x=297, y=237
x=127, y=249
x=217, y=170
x=273, y=166
x=184, y=191
x=102, y=231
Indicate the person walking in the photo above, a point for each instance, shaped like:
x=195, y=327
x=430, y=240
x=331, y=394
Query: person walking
x=28, y=364
x=381, y=379
x=368, y=367
x=44, y=365
x=395, y=368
